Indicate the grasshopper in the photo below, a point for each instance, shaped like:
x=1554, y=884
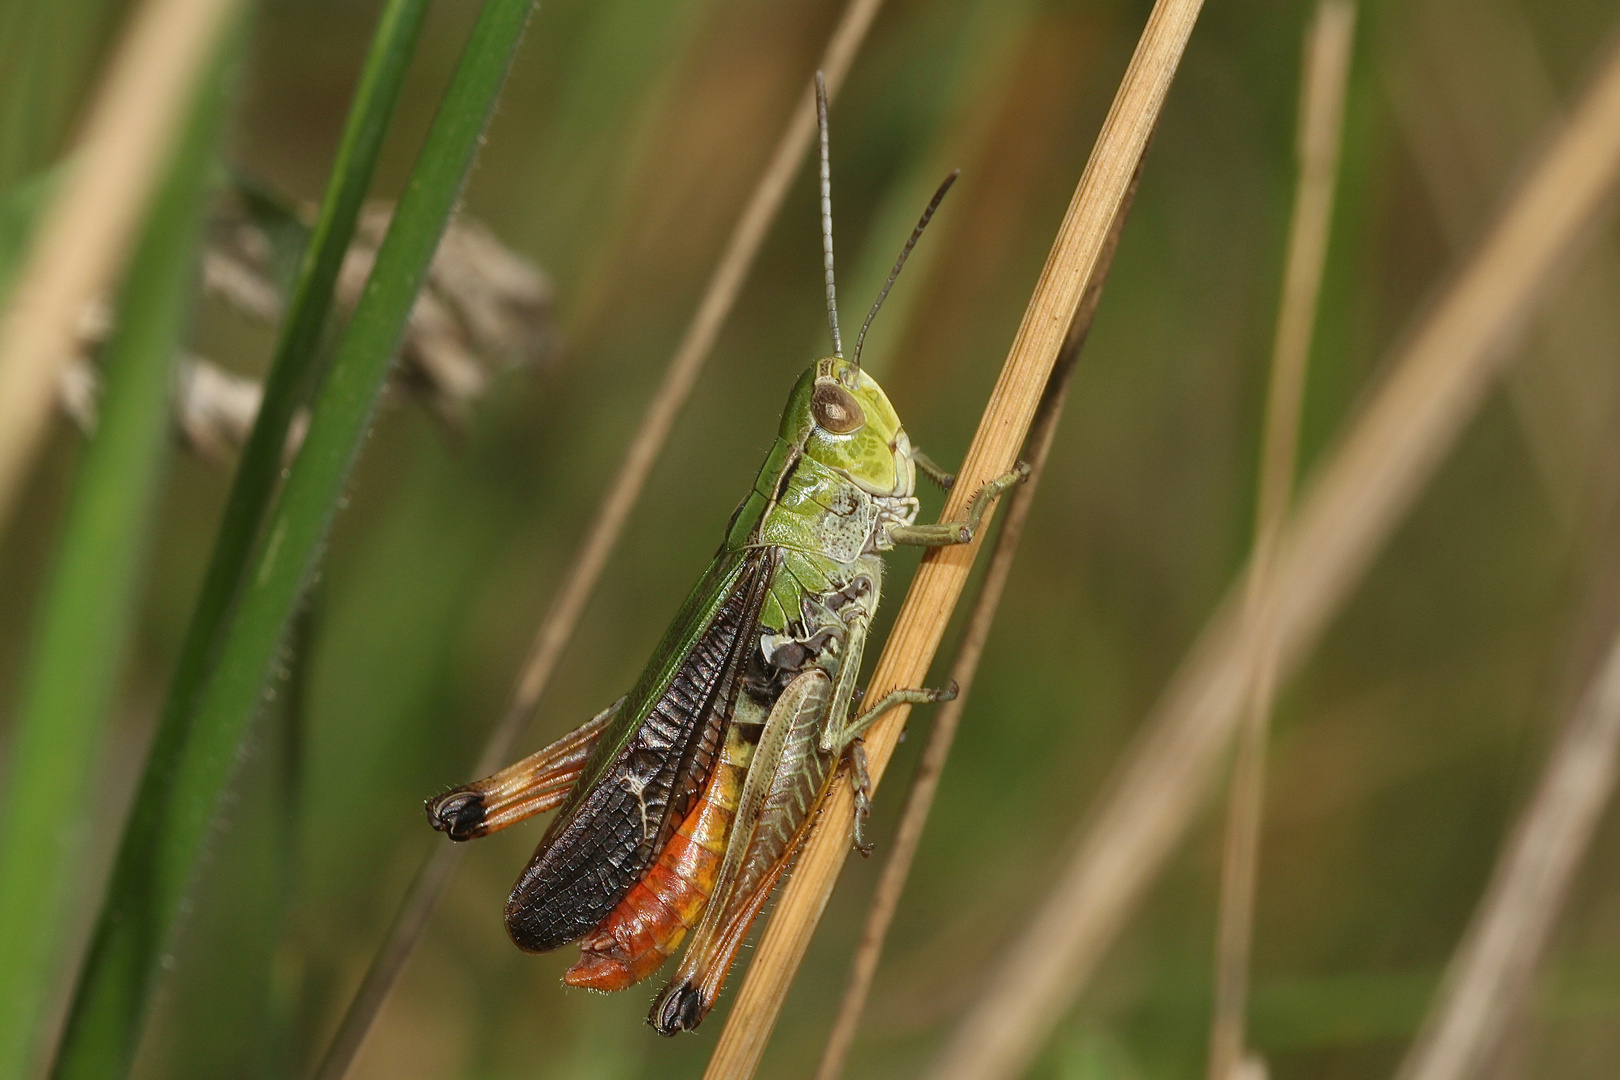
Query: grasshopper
x=685, y=801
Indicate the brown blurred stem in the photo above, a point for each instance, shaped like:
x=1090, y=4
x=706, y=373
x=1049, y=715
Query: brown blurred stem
x=1325, y=74
x=131, y=128
x=1438, y=378
x=920, y=624
x=580, y=577
x=1492, y=968
x=925, y=782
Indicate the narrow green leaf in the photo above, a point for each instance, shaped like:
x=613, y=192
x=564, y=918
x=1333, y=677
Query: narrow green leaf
x=127, y=935
x=287, y=384
x=182, y=788
x=85, y=613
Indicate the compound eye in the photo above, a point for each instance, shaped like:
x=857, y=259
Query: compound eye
x=835, y=409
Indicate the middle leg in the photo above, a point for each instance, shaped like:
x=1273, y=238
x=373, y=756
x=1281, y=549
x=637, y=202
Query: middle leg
x=849, y=735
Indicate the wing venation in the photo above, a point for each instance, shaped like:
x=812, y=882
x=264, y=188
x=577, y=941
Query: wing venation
x=650, y=767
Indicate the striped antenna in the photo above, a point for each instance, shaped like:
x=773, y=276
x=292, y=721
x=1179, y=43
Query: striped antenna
x=826, y=215
x=905, y=252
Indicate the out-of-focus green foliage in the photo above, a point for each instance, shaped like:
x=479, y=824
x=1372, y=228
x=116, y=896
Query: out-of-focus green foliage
x=82, y=626
x=627, y=140
x=19, y=209
x=48, y=58
x=143, y=893
x=183, y=786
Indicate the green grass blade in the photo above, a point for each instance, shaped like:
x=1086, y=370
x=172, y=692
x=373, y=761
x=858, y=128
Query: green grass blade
x=127, y=901
x=167, y=834
x=286, y=386
x=87, y=607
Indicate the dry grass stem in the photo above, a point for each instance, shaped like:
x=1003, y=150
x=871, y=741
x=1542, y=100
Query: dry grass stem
x=483, y=309
x=84, y=234
x=1069, y=269
x=1494, y=964
x=583, y=571
x=1326, y=73
x=1467, y=96
x=937, y=748
x=1440, y=376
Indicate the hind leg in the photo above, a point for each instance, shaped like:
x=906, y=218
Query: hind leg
x=538, y=783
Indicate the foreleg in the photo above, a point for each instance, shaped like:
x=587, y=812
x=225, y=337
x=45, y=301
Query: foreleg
x=928, y=468
x=945, y=533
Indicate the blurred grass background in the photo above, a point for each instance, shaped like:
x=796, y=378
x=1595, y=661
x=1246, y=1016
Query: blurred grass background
x=625, y=143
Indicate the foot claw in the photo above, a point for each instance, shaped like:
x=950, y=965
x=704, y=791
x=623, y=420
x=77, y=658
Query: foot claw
x=679, y=1008
x=459, y=814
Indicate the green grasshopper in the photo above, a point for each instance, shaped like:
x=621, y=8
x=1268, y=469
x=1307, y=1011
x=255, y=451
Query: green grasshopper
x=690, y=795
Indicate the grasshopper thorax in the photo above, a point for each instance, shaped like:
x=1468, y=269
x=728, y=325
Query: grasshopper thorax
x=840, y=417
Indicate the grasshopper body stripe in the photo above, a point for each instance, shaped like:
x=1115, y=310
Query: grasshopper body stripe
x=647, y=770
x=653, y=918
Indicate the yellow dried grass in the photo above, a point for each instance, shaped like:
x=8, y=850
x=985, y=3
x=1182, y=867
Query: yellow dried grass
x=1439, y=377
x=920, y=624
x=1321, y=112
x=85, y=232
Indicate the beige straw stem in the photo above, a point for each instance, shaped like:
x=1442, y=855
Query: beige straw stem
x=943, y=573
x=1493, y=966
x=1325, y=76
x=84, y=234
x=1437, y=381
x=942, y=733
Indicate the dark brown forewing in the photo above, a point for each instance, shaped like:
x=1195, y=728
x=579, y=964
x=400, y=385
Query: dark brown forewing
x=645, y=781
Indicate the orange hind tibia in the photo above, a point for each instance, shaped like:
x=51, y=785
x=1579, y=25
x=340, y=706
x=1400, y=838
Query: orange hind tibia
x=658, y=911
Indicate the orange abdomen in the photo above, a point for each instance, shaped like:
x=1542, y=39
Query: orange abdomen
x=655, y=915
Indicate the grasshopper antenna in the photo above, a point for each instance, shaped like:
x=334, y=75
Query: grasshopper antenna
x=905, y=252
x=826, y=215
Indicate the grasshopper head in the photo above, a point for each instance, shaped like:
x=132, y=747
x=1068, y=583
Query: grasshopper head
x=839, y=416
